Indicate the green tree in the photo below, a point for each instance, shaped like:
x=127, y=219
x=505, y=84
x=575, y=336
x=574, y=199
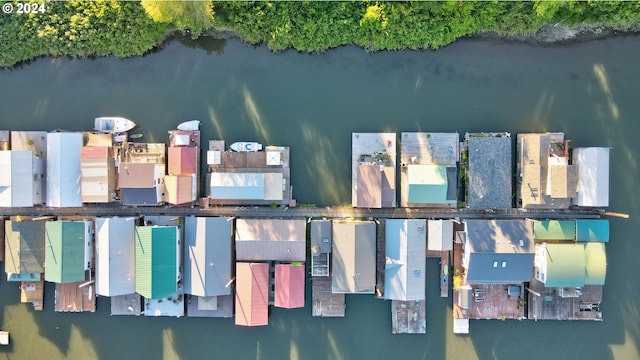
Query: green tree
x=195, y=16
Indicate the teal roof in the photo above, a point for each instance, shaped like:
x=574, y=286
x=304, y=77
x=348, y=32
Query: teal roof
x=554, y=230
x=64, y=251
x=428, y=184
x=596, y=263
x=155, y=261
x=592, y=230
x=576, y=264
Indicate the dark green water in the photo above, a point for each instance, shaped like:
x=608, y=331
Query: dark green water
x=312, y=103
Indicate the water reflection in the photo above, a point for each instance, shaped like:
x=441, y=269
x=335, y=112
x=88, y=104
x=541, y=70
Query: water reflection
x=209, y=44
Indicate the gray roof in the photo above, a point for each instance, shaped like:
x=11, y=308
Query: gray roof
x=354, y=257
x=207, y=256
x=321, y=236
x=133, y=196
x=24, y=247
x=489, y=173
x=115, y=256
x=405, y=252
x=270, y=239
x=499, y=251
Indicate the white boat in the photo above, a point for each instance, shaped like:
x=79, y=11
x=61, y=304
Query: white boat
x=113, y=124
x=244, y=146
x=191, y=125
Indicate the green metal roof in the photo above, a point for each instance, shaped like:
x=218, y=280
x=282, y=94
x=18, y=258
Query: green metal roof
x=64, y=251
x=596, y=261
x=554, y=230
x=155, y=261
x=565, y=265
x=592, y=230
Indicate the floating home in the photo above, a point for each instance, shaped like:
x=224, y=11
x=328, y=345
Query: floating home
x=63, y=169
x=593, y=176
x=115, y=256
x=373, y=170
x=324, y=302
x=16, y=178
x=98, y=174
x=270, y=240
x=354, y=257
x=36, y=142
x=182, y=181
x=141, y=174
x=488, y=170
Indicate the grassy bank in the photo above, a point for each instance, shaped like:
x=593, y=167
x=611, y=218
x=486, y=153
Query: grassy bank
x=82, y=28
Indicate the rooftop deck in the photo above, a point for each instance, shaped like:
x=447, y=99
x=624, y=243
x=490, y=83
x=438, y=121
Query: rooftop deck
x=70, y=297
x=324, y=302
x=126, y=305
x=408, y=317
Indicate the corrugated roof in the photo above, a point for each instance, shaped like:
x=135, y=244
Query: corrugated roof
x=369, y=186
x=182, y=160
x=593, y=176
x=207, y=256
x=554, y=230
x=237, y=186
x=252, y=294
x=94, y=152
x=596, y=263
x=180, y=189
x=115, y=256
x=137, y=175
x=155, y=261
x=289, y=286
x=63, y=169
x=271, y=239
x=98, y=174
x=24, y=247
x=592, y=230
x=405, y=251
x=565, y=265
x=354, y=257
x=64, y=251
x=440, y=236
x=16, y=182
x=489, y=173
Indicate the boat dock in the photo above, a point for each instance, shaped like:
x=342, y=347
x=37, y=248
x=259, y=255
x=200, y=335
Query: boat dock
x=444, y=274
x=324, y=302
x=408, y=317
x=71, y=297
x=32, y=292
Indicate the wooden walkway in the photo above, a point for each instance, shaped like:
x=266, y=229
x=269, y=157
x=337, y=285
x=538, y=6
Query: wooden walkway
x=32, y=292
x=72, y=298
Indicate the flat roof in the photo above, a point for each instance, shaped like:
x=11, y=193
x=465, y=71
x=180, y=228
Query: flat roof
x=593, y=176
x=270, y=239
x=405, y=253
x=354, y=257
x=489, y=172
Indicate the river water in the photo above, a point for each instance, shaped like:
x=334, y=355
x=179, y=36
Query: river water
x=312, y=103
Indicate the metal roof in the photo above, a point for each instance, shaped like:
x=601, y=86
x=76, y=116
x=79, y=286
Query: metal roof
x=138, y=175
x=155, y=261
x=270, y=239
x=289, y=286
x=24, y=247
x=440, y=236
x=405, y=252
x=64, y=251
x=207, y=255
x=182, y=160
x=489, y=173
x=354, y=257
x=554, y=230
x=252, y=294
x=115, y=256
x=572, y=265
x=63, y=169
x=593, y=176
x=98, y=174
x=180, y=189
x=369, y=186
x=592, y=230
x=237, y=186
x=16, y=182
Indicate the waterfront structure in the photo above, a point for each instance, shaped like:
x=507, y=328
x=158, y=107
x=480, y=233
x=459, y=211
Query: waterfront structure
x=63, y=169
x=252, y=289
x=592, y=230
x=249, y=178
x=354, y=257
x=68, y=250
x=546, y=179
x=270, y=240
x=24, y=250
x=428, y=169
x=373, y=170
x=440, y=236
x=36, y=142
x=289, y=286
x=16, y=178
x=488, y=170
x=320, y=247
x=405, y=252
x=141, y=184
x=183, y=167
x=98, y=178
x=156, y=261
x=115, y=256
x=554, y=230
x=593, y=176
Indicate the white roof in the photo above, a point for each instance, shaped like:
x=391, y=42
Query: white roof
x=273, y=157
x=16, y=178
x=63, y=169
x=440, y=235
x=182, y=139
x=214, y=157
x=406, y=258
x=115, y=256
x=237, y=186
x=593, y=176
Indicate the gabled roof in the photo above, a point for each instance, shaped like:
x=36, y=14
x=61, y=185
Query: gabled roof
x=592, y=230
x=575, y=265
x=252, y=294
x=289, y=286
x=207, y=256
x=63, y=169
x=405, y=251
x=354, y=257
x=554, y=230
x=156, y=261
x=16, y=180
x=270, y=239
x=115, y=256
x=64, y=251
x=182, y=160
x=24, y=247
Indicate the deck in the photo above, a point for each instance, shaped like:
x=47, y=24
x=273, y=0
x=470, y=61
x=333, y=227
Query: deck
x=381, y=258
x=70, y=297
x=32, y=292
x=126, y=305
x=408, y=317
x=223, y=307
x=547, y=304
x=324, y=302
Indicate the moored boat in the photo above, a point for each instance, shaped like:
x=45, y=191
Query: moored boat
x=190, y=125
x=245, y=146
x=113, y=124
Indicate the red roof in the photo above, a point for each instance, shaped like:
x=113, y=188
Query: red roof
x=182, y=160
x=94, y=152
x=369, y=186
x=252, y=294
x=289, y=286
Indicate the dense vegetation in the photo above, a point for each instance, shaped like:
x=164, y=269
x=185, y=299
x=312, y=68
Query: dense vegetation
x=80, y=28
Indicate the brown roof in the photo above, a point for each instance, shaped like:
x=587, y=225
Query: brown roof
x=136, y=175
x=369, y=186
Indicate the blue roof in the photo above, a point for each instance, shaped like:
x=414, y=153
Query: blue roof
x=592, y=230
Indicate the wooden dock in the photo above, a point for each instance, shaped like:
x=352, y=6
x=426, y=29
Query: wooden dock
x=548, y=304
x=381, y=258
x=70, y=297
x=444, y=274
x=408, y=317
x=324, y=302
x=126, y=305
x=32, y=292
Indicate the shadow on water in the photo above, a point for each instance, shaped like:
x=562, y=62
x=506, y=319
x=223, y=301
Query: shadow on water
x=210, y=45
